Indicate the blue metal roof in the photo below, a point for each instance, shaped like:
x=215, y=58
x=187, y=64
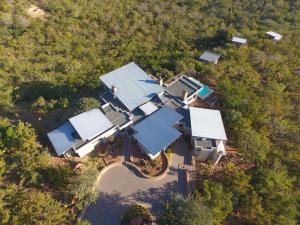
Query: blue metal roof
x=134, y=86
x=61, y=138
x=156, y=131
x=90, y=124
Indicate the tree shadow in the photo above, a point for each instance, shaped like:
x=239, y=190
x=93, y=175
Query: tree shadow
x=181, y=149
x=220, y=39
x=155, y=196
x=30, y=91
x=107, y=209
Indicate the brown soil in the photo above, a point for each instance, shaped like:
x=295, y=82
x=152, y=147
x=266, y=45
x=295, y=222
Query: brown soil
x=147, y=166
x=110, y=152
x=208, y=171
x=199, y=103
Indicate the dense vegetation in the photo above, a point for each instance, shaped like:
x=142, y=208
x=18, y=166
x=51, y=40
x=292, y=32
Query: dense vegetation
x=137, y=213
x=47, y=64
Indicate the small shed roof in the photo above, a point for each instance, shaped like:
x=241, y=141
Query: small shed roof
x=133, y=86
x=90, y=124
x=239, y=40
x=157, y=132
x=207, y=123
x=275, y=35
x=210, y=56
x=148, y=108
x=61, y=138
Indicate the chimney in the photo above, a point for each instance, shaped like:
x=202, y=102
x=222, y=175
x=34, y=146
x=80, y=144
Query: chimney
x=161, y=81
x=184, y=95
x=114, y=90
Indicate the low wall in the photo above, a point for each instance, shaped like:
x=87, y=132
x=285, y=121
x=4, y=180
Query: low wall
x=142, y=174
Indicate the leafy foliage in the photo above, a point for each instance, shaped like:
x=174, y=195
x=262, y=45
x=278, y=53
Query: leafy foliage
x=179, y=210
x=50, y=63
x=23, y=207
x=134, y=212
x=87, y=103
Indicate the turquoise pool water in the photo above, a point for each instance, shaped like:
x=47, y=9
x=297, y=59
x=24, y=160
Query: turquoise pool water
x=204, y=91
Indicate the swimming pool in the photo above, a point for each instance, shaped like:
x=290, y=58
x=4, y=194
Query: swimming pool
x=204, y=92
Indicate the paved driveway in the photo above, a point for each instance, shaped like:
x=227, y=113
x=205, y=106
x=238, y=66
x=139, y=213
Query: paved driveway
x=120, y=187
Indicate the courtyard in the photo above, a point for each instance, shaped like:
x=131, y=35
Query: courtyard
x=120, y=187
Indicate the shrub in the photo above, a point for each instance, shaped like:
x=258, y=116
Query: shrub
x=86, y=104
x=135, y=215
x=40, y=105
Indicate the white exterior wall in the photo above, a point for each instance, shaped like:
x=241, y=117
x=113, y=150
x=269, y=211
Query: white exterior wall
x=85, y=149
x=90, y=146
x=190, y=99
x=214, y=154
x=145, y=151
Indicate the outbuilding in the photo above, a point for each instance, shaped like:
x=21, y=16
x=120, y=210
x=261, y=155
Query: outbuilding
x=275, y=36
x=210, y=57
x=239, y=40
x=208, y=135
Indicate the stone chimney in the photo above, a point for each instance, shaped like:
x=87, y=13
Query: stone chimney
x=161, y=81
x=184, y=95
x=114, y=90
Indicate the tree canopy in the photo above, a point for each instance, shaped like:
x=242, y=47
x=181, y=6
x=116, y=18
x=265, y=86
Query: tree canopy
x=50, y=64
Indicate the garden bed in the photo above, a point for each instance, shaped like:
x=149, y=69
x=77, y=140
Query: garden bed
x=110, y=152
x=149, y=167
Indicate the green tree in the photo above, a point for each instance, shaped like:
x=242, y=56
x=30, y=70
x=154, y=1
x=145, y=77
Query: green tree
x=218, y=200
x=179, y=210
x=30, y=207
x=81, y=187
x=87, y=103
x=135, y=212
x=21, y=150
x=40, y=105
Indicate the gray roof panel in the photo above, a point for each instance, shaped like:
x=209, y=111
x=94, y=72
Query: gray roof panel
x=207, y=123
x=148, y=108
x=90, y=124
x=156, y=131
x=210, y=56
x=239, y=40
x=134, y=86
x=276, y=35
x=61, y=138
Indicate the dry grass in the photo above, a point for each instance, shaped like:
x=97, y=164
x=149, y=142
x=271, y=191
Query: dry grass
x=110, y=152
x=209, y=171
x=36, y=12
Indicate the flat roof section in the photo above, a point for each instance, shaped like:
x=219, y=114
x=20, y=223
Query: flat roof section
x=148, y=108
x=133, y=86
x=177, y=87
x=108, y=97
x=90, y=124
x=117, y=118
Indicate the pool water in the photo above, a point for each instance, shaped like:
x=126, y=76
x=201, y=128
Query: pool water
x=204, y=91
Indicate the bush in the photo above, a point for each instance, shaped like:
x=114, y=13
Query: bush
x=40, y=105
x=87, y=103
x=136, y=215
